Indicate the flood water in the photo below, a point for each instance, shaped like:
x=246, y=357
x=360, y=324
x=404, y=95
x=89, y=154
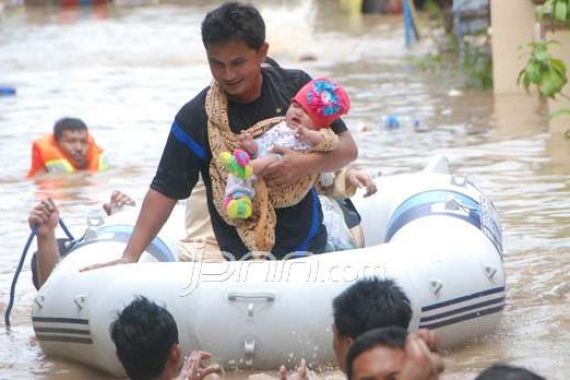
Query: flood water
x=127, y=68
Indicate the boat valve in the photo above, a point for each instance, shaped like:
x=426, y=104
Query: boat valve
x=435, y=286
x=490, y=271
x=80, y=301
x=459, y=180
x=39, y=300
x=95, y=219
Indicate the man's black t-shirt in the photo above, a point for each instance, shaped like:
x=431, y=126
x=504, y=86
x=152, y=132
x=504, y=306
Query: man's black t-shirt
x=187, y=153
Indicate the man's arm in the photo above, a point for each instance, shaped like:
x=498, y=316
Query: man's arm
x=155, y=210
x=295, y=165
x=45, y=217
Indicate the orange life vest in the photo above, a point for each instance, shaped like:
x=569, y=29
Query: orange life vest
x=47, y=155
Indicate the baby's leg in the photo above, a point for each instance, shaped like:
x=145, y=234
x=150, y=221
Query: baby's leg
x=238, y=196
x=237, y=163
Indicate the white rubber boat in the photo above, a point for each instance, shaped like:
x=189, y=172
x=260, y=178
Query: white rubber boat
x=435, y=233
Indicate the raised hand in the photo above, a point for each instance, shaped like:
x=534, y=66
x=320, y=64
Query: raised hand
x=45, y=216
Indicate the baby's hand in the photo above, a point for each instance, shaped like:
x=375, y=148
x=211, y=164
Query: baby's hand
x=245, y=141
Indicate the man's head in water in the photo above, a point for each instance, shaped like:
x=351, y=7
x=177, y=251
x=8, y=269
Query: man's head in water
x=234, y=37
x=146, y=338
x=72, y=137
x=377, y=354
x=366, y=305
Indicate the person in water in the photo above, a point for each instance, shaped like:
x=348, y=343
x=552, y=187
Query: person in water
x=146, y=338
x=244, y=92
x=67, y=149
x=391, y=353
x=45, y=217
x=368, y=304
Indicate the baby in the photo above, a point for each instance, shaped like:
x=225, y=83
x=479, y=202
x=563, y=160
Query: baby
x=306, y=128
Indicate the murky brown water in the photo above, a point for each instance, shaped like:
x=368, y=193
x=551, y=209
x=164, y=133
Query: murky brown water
x=126, y=69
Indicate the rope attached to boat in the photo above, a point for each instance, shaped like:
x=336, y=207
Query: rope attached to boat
x=21, y=264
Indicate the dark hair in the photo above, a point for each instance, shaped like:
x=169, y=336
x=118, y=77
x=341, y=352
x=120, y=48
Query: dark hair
x=391, y=337
x=507, y=372
x=144, y=334
x=67, y=123
x=369, y=304
x=234, y=21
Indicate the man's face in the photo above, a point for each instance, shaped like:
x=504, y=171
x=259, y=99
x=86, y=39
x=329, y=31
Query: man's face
x=378, y=363
x=297, y=117
x=237, y=68
x=74, y=145
x=341, y=345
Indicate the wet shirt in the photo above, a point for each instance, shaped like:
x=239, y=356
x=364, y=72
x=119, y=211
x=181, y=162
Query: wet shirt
x=187, y=153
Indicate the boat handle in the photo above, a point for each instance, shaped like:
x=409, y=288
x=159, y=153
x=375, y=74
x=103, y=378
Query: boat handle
x=265, y=296
x=39, y=300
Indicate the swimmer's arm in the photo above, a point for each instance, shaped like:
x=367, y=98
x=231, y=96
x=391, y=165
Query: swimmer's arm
x=48, y=257
x=44, y=218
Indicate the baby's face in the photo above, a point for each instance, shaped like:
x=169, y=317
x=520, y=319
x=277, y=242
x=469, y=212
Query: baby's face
x=297, y=117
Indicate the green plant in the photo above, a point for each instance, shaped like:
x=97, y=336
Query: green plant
x=559, y=10
x=477, y=64
x=547, y=73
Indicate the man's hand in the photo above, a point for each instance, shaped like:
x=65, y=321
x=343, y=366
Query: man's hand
x=423, y=361
x=195, y=369
x=288, y=170
x=308, y=136
x=45, y=216
x=117, y=201
x=300, y=373
x=122, y=260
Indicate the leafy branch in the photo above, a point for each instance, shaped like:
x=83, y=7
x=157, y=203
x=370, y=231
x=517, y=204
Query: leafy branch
x=546, y=73
x=558, y=9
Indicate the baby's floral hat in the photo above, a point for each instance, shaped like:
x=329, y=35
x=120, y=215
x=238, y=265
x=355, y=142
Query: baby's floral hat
x=324, y=101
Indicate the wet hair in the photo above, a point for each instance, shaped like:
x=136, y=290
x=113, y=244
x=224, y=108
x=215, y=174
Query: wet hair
x=67, y=123
x=368, y=304
x=234, y=21
x=390, y=337
x=144, y=334
x=507, y=372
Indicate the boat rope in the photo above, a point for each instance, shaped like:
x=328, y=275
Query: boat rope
x=21, y=264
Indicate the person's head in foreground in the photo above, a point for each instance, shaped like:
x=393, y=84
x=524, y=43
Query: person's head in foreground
x=72, y=137
x=317, y=104
x=368, y=304
x=377, y=354
x=507, y=372
x=391, y=353
x=234, y=37
x=146, y=338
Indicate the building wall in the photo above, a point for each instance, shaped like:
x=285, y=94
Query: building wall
x=513, y=25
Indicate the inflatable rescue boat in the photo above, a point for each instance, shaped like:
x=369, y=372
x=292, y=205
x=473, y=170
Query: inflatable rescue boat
x=434, y=233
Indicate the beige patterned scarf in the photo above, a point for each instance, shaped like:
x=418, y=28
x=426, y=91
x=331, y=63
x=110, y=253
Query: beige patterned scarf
x=258, y=231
